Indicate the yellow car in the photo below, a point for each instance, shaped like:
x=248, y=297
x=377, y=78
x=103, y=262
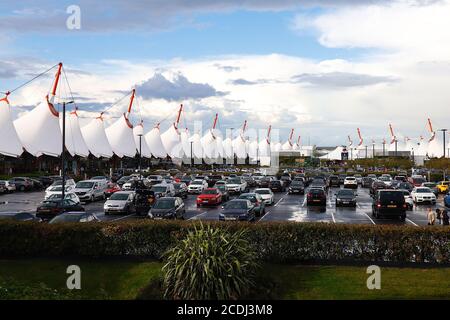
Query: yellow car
x=443, y=186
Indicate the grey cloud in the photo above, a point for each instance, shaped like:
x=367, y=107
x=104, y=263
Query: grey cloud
x=7, y=70
x=244, y=82
x=227, y=68
x=341, y=79
x=179, y=89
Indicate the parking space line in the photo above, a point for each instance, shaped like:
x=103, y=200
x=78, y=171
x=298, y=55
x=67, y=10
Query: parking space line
x=198, y=215
x=332, y=216
x=122, y=218
x=267, y=213
x=369, y=218
x=276, y=204
x=410, y=221
x=304, y=202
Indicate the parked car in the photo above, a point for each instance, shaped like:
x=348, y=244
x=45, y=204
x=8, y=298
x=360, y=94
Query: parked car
x=443, y=186
x=2, y=187
x=57, y=190
x=389, y=203
x=209, y=196
x=432, y=186
x=69, y=195
x=366, y=182
x=345, y=197
x=297, y=186
x=417, y=180
x=401, y=178
x=358, y=178
x=257, y=201
x=341, y=178
x=377, y=185
x=181, y=190
x=168, y=208
x=21, y=217
x=186, y=179
x=333, y=181
x=120, y=202
x=223, y=189
x=46, y=181
x=447, y=200
x=408, y=199
x=351, y=182
x=69, y=183
x=72, y=217
x=277, y=186
x=316, y=196
x=267, y=195
x=212, y=179
x=197, y=186
x=100, y=178
x=265, y=182
x=123, y=180
x=405, y=186
x=111, y=188
x=238, y=210
x=237, y=185
x=90, y=190
x=36, y=184
x=49, y=209
x=163, y=190
x=22, y=183
x=386, y=179
x=286, y=180
x=423, y=195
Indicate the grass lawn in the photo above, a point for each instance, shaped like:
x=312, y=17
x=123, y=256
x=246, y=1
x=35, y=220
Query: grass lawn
x=109, y=279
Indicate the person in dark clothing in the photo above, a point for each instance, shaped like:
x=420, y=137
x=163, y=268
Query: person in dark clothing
x=439, y=215
x=445, y=218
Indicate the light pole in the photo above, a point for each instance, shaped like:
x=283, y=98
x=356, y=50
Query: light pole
x=232, y=151
x=192, y=158
x=396, y=147
x=366, y=152
x=140, y=133
x=373, y=150
x=443, y=134
x=63, y=160
x=384, y=148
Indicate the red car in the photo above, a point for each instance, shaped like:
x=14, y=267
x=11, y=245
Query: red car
x=112, y=187
x=210, y=196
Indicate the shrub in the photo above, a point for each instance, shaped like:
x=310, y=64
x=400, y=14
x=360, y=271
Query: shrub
x=210, y=263
x=272, y=241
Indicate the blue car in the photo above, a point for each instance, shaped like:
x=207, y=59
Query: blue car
x=447, y=200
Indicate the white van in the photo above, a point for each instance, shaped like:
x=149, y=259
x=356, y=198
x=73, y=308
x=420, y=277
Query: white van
x=90, y=190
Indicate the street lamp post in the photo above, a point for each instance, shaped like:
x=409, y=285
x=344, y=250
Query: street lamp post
x=373, y=150
x=443, y=134
x=63, y=160
x=232, y=151
x=396, y=147
x=366, y=152
x=192, y=158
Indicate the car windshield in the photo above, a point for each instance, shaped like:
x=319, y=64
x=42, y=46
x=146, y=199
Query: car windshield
x=234, y=181
x=177, y=186
x=72, y=217
x=350, y=179
x=430, y=184
x=346, y=193
x=164, y=204
x=250, y=197
x=316, y=191
x=119, y=196
x=262, y=191
x=199, y=182
x=297, y=183
x=210, y=191
x=158, y=189
x=58, y=188
x=221, y=188
x=423, y=190
x=236, y=205
x=50, y=204
x=84, y=185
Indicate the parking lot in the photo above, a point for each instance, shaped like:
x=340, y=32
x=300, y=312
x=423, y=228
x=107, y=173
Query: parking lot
x=286, y=208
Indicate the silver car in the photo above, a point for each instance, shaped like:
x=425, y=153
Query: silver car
x=120, y=202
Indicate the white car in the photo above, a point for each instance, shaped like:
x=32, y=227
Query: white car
x=236, y=185
x=358, y=178
x=386, y=179
x=10, y=187
x=197, y=186
x=350, y=182
x=422, y=195
x=70, y=195
x=267, y=195
x=56, y=190
x=91, y=190
x=408, y=199
x=68, y=183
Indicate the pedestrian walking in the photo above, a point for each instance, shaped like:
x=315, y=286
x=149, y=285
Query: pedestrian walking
x=439, y=216
x=431, y=217
x=445, y=218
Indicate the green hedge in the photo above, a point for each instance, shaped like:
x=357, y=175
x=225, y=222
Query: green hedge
x=273, y=242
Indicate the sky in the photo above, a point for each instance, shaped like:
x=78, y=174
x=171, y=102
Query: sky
x=324, y=68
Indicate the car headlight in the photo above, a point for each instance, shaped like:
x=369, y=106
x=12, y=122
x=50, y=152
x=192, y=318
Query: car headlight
x=338, y=199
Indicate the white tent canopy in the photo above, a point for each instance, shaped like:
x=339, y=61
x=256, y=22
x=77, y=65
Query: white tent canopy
x=153, y=138
x=239, y=147
x=171, y=141
x=75, y=143
x=228, y=148
x=39, y=129
x=10, y=144
x=197, y=148
x=95, y=137
x=121, y=138
x=435, y=148
x=336, y=154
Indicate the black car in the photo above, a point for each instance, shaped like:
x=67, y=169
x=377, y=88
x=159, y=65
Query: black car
x=277, y=186
x=238, y=210
x=225, y=194
x=333, y=181
x=366, y=182
x=389, y=203
x=297, y=186
x=265, y=182
x=251, y=182
x=168, y=208
x=212, y=179
x=186, y=179
x=377, y=185
x=143, y=201
x=181, y=190
x=316, y=196
x=286, y=179
x=73, y=217
x=405, y=186
x=345, y=197
x=46, y=181
x=342, y=178
x=257, y=201
x=21, y=216
x=49, y=209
